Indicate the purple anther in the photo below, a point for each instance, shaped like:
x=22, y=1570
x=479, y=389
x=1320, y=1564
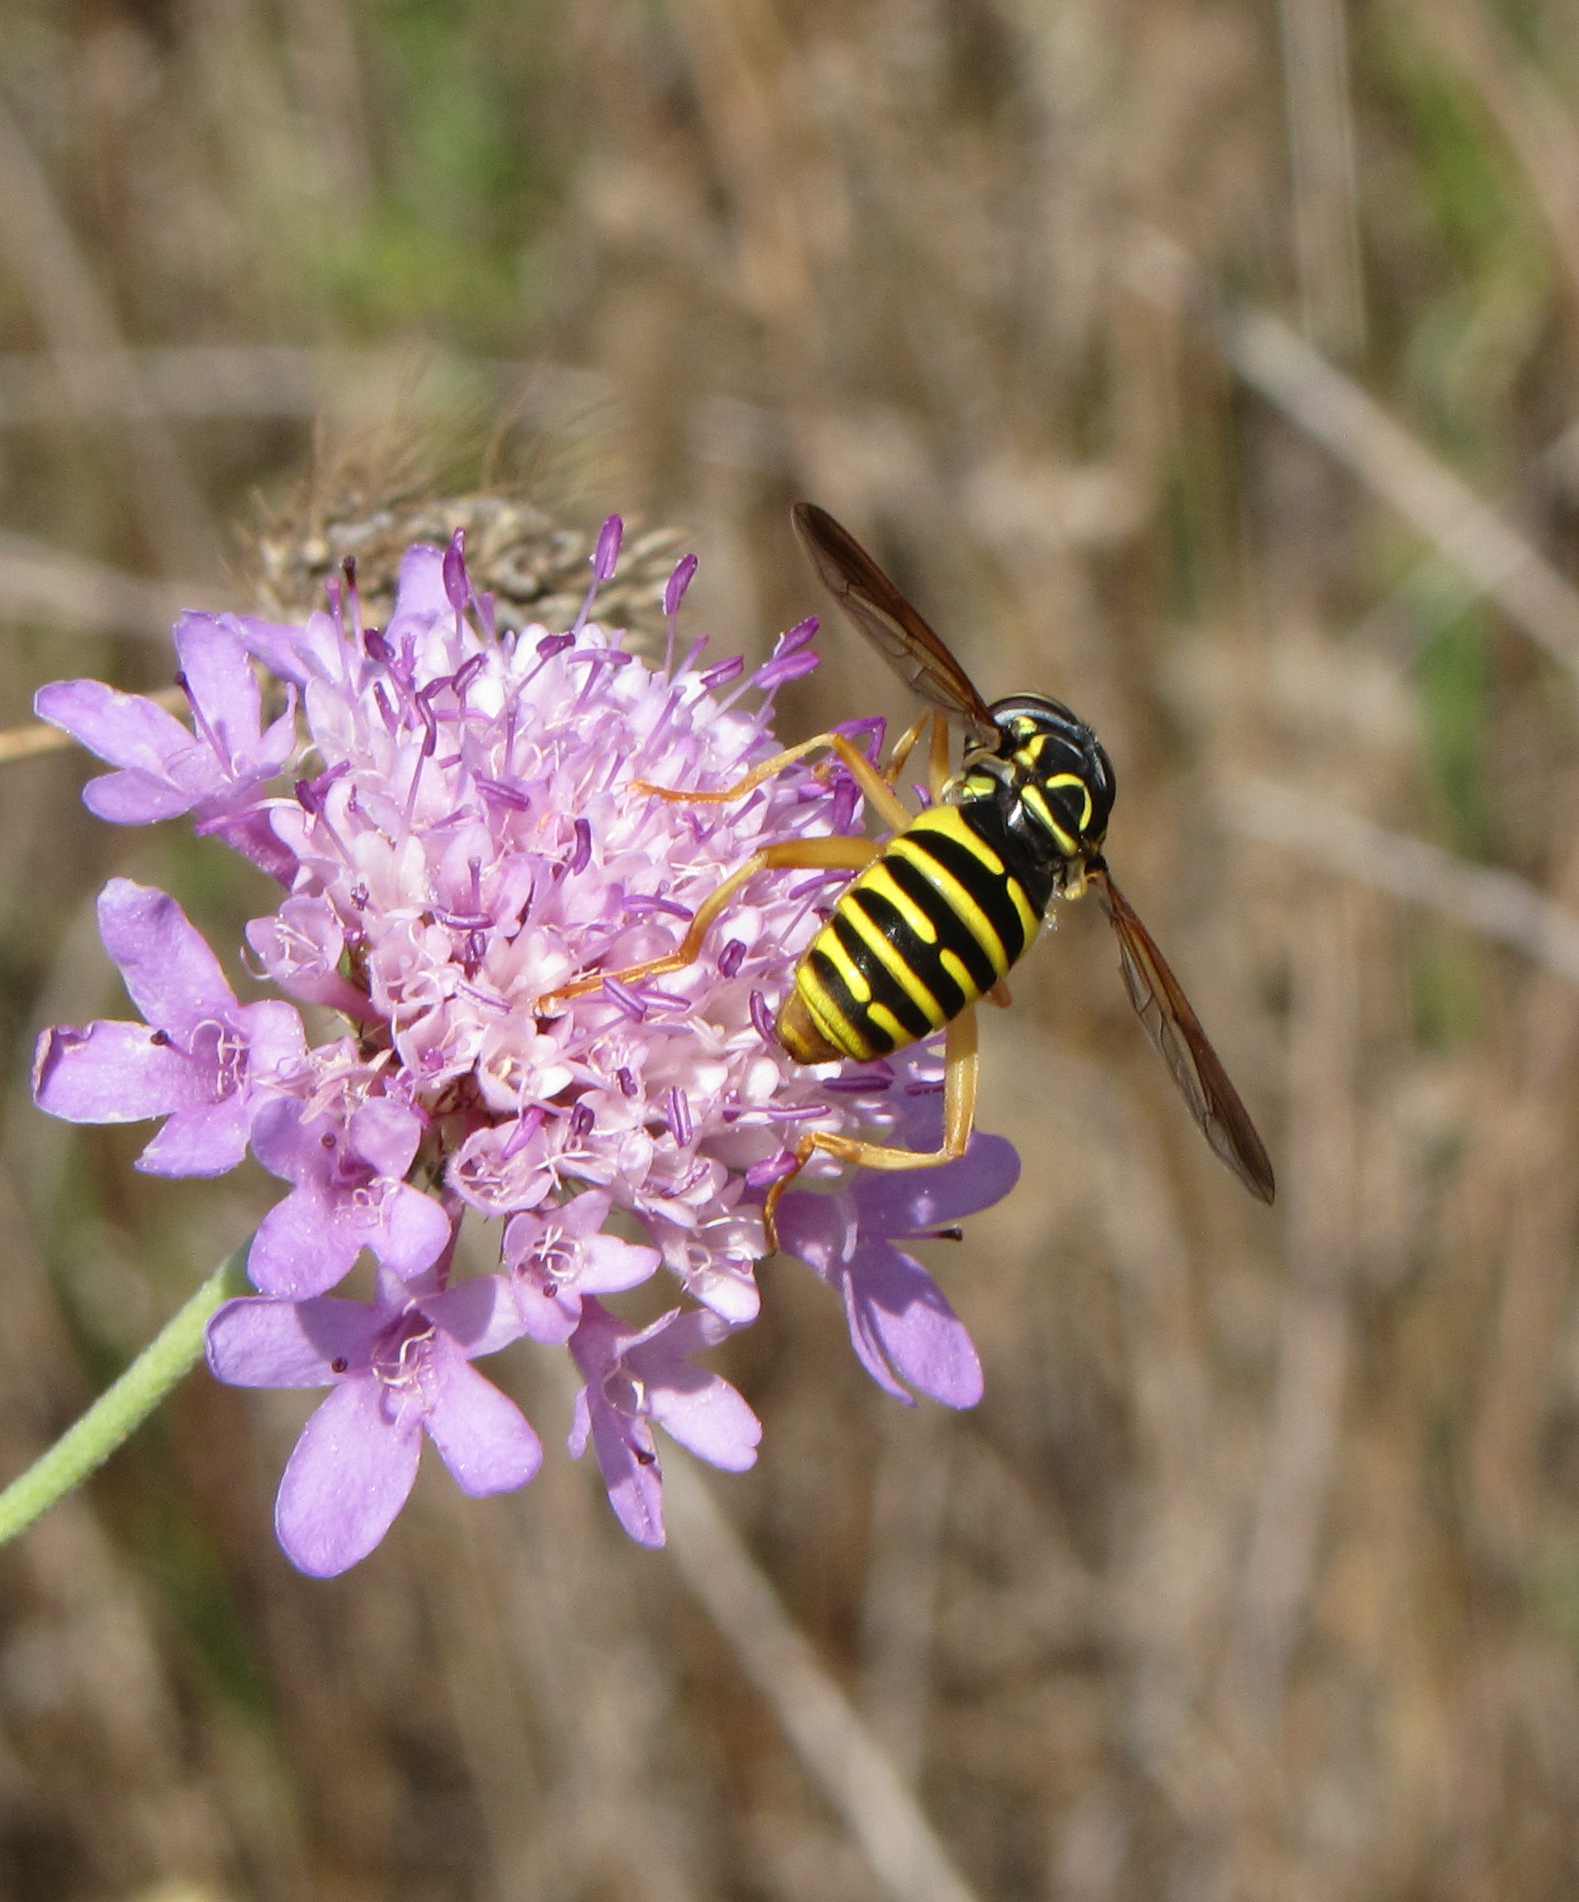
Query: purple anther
x=762, y=1175
x=923, y=1088
x=607, y=557
x=581, y=856
x=526, y=1127
x=804, y=888
x=581, y=1122
x=500, y=794
x=675, y=587
x=624, y=999
x=856, y=1085
x=377, y=647
x=731, y=958
x=873, y=731
x=761, y=1018
x=679, y=1117
x=724, y=672
x=466, y=673
x=673, y=999
x=552, y=644
x=308, y=797
x=846, y=797
x=798, y=636
x=784, y=668
x=627, y=1081
x=595, y=657
x=639, y=904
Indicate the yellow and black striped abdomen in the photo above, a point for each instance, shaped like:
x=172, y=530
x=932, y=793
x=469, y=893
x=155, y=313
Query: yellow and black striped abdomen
x=926, y=929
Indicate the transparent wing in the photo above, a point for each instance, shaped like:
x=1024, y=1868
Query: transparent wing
x=1174, y=1028
x=889, y=622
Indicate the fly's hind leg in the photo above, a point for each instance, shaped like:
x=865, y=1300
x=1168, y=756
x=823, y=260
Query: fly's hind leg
x=959, y=1119
x=835, y=854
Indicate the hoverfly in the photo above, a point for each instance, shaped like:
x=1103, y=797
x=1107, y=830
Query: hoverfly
x=939, y=911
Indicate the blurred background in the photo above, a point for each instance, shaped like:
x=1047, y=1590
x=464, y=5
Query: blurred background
x=1210, y=366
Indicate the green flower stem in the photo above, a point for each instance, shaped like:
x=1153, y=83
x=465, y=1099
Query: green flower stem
x=122, y=1408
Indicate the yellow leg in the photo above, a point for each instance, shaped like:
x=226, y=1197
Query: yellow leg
x=938, y=763
x=880, y=795
x=903, y=747
x=960, y=1074
x=838, y=854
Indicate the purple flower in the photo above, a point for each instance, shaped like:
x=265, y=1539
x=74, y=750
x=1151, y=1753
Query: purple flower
x=449, y=807
x=399, y=1369
x=638, y=1378
x=559, y=1255
x=349, y=1164
x=214, y=772
x=901, y=1326
x=300, y=946
x=204, y=1061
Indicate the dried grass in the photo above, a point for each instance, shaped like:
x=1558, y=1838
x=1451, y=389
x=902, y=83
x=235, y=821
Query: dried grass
x=1257, y=1573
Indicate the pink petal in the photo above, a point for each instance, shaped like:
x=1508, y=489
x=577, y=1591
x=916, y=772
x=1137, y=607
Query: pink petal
x=482, y=1436
x=135, y=798
x=172, y=976
x=385, y=1134
x=413, y=1233
x=108, y=1073
x=419, y=594
x=298, y=1250
x=548, y=1319
x=258, y=1341
x=284, y=650
x=635, y=1487
x=478, y=1315
x=210, y=1141
x=221, y=680
x=124, y=728
x=713, y=1422
x=909, y=1202
x=613, y=1265
x=899, y=1317
x=352, y=1471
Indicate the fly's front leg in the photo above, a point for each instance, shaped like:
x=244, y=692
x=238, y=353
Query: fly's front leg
x=938, y=773
x=960, y=1075
x=879, y=794
x=903, y=747
x=836, y=854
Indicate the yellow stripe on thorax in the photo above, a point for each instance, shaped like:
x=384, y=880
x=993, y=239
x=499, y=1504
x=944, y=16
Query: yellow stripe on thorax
x=1074, y=779
x=1031, y=795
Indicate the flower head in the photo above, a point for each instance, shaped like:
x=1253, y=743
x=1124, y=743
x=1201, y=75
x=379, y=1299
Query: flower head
x=448, y=808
